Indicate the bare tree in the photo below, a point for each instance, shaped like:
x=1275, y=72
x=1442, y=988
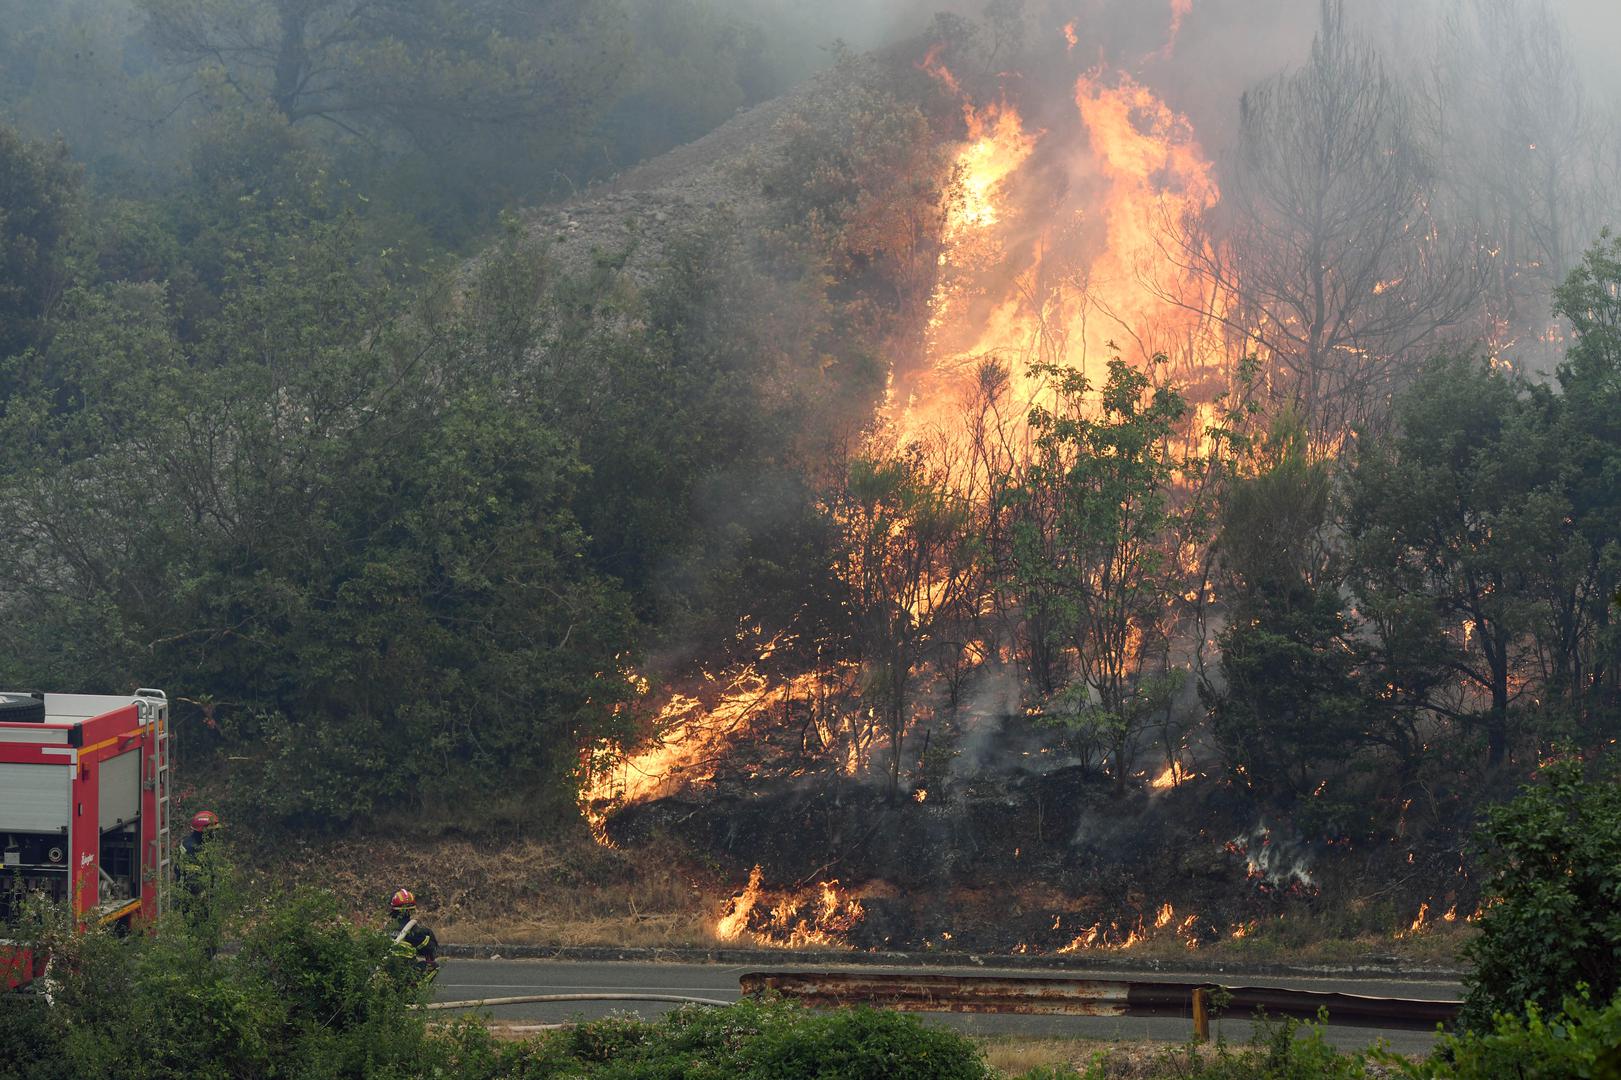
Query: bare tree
x=1326, y=246
x=906, y=563
x=1524, y=151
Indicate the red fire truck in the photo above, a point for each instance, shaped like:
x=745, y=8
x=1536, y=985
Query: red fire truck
x=84, y=810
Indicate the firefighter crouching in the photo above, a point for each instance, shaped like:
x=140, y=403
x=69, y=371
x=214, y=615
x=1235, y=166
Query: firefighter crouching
x=412, y=940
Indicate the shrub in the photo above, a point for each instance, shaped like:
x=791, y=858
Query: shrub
x=753, y=1041
x=1583, y=1042
x=1555, y=857
x=306, y=994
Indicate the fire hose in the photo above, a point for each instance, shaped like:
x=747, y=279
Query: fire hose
x=536, y=999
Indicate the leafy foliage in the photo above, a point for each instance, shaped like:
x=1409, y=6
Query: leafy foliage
x=1555, y=855
x=39, y=191
x=1095, y=542
x=1290, y=705
x=755, y=1041
x=1584, y=1041
x=308, y=995
x=360, y=544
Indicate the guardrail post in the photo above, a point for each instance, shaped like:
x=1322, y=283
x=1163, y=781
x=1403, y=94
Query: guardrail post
x=1201, y=1015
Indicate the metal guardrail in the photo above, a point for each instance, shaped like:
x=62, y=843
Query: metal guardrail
x=533, y=999
x=1092, y=997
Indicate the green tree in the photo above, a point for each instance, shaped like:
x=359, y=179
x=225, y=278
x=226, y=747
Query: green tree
x=1452, y=522
x=1096, y=537
x=397, y=66
x=1553, y=920
x=39, y=193
x=860, y=194
x=314, y=510
x=696, y=64
x=481, y=103
x=79, y=70
x=1583, y=631
x=1289, y=705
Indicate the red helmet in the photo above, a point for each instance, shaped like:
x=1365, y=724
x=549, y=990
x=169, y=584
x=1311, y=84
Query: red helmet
x=402, y=899
x=203, y=820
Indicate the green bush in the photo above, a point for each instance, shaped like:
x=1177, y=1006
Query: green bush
x=1555, y=857
x=751, y=1041
x=305, y=994
x=27, y=1049
x=1583, y=1043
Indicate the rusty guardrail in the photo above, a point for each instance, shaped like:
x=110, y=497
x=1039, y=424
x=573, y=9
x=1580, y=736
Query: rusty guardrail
x=548, y=999
x=1092, y=997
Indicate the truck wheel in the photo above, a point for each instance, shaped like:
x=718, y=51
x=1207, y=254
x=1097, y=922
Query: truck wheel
x=21, y=709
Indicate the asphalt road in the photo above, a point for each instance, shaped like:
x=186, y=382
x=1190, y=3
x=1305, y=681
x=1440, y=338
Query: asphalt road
x=463, y=980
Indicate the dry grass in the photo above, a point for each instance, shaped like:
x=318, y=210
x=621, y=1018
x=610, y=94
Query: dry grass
x=565, y=891
x=1112, y=1061
x=1016, y=1056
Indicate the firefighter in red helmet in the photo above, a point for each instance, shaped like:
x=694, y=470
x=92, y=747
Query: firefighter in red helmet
x=203, y=823
x=198, y=870
x=412, y=940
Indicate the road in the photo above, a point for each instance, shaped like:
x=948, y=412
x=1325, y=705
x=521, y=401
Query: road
x=464, y=980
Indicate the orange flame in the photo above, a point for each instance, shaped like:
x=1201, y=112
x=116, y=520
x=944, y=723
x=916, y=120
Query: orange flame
x=1098, y=937
x=1175, y=775
x=693, y=733
x=820, y=917
x=1180, y=10
x=1097, y=270
x=736, y=916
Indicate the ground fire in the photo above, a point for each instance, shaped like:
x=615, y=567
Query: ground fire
x=1074, y=235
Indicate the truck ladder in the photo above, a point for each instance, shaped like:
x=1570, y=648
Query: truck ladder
x=159, y=859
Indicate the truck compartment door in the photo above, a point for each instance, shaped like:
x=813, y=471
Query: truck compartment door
x=35, y=798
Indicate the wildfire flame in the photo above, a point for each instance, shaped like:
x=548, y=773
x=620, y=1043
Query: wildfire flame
x=819, y=917
x=693, y=735
x=1180, y=10
x=736, y=916
x=1113, y=938
x=1031, y=274
x=1175, y=775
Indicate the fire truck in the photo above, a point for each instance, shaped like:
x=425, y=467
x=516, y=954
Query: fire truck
x=84, y=811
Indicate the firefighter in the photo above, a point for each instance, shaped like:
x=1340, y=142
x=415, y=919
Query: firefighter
x=197, y=871
x=203, y=823
x=412, y=940
x=193, y=870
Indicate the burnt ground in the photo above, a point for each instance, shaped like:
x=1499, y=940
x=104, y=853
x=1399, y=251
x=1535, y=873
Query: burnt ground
x=1029, y=861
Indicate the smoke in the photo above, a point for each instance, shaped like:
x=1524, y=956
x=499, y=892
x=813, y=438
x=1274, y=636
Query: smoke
x=1221, y=44
x=984, y=742
x=1275, y=863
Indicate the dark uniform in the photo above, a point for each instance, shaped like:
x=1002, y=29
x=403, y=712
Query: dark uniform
x=418, y=942
x=192, y=846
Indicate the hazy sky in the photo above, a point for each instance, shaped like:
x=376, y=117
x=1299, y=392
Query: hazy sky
x=1247, y=33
